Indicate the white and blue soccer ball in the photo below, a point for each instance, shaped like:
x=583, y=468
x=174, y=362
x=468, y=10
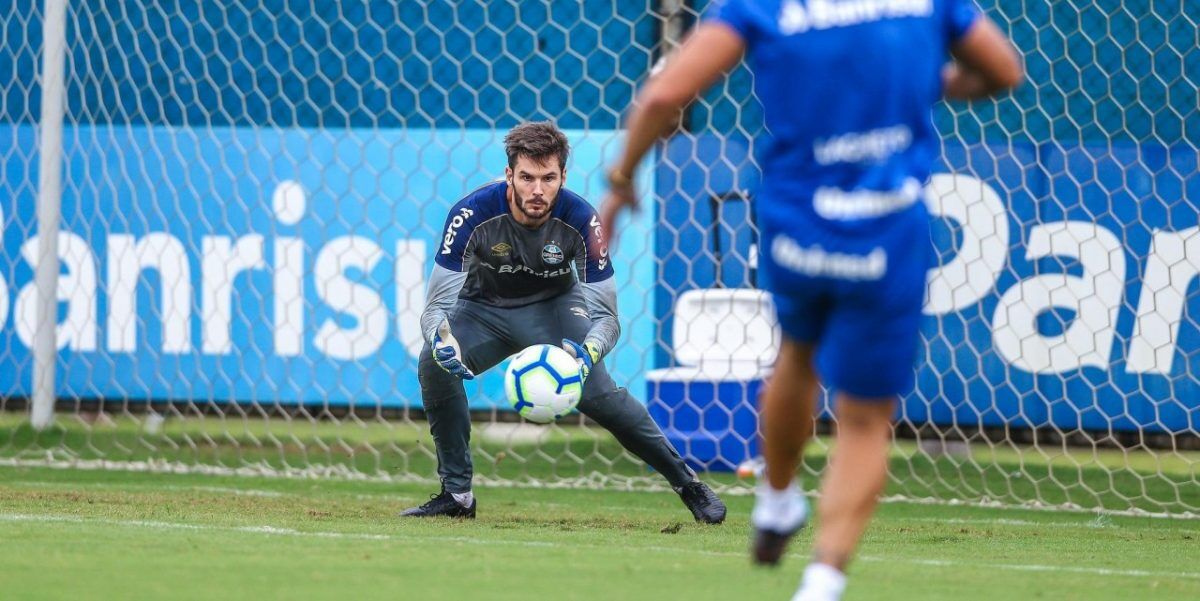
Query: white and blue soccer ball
x=542, y=383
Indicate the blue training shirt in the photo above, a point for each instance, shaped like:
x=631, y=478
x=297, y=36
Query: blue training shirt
x=847, y=87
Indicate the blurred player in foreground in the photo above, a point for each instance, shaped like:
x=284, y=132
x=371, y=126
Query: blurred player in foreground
x=521, y=262
x=847, y=87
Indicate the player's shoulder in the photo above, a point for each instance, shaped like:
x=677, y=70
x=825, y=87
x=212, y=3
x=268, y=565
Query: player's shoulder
x=575, y=211
x=746, y=15
x=767, y=19
x=483, y=203
x=754, y=7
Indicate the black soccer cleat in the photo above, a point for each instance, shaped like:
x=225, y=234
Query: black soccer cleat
x=441, y=504
x=705, y=505
x=768, y=546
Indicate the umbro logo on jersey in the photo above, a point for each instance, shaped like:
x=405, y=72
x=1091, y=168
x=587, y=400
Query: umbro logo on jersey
x=580, y=311
x=501, y=250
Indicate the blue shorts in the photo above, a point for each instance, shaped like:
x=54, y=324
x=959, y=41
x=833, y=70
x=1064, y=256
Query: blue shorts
x=855, y=295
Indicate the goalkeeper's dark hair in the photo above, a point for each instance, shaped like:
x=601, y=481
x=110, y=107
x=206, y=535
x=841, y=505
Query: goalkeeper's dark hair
x=538, y=141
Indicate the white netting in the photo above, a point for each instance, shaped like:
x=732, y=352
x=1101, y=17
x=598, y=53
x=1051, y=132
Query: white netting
x=253, y=192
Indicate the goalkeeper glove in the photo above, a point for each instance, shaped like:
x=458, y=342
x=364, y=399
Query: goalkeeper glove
x=447, y=354
x=586, y=354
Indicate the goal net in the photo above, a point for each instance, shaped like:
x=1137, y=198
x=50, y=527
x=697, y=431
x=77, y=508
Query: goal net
x=252, y=194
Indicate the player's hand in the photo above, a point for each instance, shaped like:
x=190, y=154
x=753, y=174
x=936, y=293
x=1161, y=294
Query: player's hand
x=586, y=354
x=621, y=196
x=447, y=354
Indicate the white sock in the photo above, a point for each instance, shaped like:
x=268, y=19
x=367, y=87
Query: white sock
x=822, y=582
x=464, y=498
x=779, y=510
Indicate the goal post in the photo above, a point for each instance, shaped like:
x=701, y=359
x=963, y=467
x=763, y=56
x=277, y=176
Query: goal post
x=252, y=194
x=49, y=209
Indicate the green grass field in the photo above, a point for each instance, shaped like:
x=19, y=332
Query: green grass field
x=80, y=534
x=1162, y=481
x=72, y=533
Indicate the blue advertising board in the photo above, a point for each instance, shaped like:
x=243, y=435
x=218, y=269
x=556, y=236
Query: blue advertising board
x=261, y=265
x=1066, y=291
x=328, y=180
x=1065, y=295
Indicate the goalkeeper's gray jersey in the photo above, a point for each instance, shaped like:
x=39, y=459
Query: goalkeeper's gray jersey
x=486, y=257
x=510, y=265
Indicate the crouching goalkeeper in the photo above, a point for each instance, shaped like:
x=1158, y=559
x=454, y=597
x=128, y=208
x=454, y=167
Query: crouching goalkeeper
x=503, y=281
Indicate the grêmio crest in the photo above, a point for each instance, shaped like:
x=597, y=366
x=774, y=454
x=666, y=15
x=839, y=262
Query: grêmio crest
x=552, y=254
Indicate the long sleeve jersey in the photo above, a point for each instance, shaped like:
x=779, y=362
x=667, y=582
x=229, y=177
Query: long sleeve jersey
x=486, y=256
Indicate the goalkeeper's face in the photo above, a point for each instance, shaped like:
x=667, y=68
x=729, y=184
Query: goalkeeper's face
x=535, y=187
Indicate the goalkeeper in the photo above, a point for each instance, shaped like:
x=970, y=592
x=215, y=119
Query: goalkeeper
x=503, y=281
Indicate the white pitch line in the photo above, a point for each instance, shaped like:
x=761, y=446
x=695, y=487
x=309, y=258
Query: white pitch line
x=70, y=519
x=1100, y=523
x=256, y=492
x=75, y=487
x=276, y=531
x=1036, y=568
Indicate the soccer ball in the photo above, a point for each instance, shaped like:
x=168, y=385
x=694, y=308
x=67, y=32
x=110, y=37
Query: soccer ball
x=542, y=383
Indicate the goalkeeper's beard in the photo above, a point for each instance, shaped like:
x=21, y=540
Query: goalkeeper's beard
x=546, y=207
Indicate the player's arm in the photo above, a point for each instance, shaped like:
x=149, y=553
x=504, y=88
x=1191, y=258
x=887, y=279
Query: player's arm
x=708, y=52
x=985, y=63
x=451, y=263
x=597, y=283
x=440, y=296
x=601, y=300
